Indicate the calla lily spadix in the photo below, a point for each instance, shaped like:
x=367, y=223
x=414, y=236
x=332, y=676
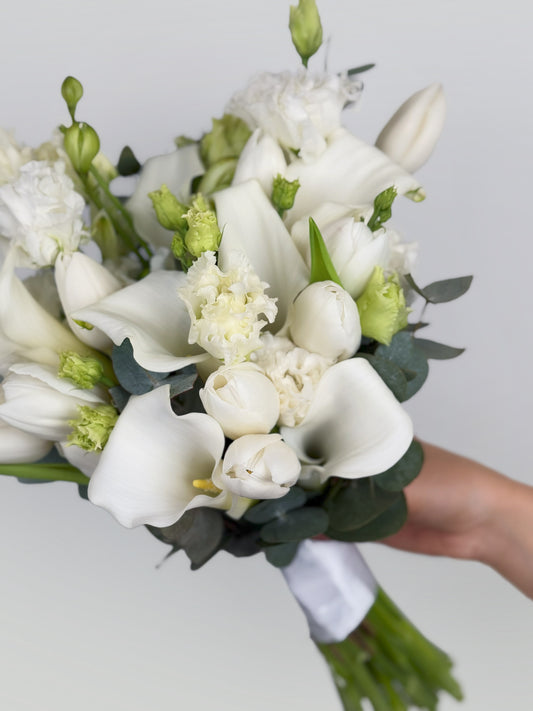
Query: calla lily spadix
x=354, y=427
x=155, y=319
x=146, y=472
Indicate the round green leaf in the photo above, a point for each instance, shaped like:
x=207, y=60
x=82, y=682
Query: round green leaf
x=296, y=525
x=404, y=471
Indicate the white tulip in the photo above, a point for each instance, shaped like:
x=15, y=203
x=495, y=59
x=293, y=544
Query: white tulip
x=410, y=135
x=241, y=399
x=324, y=319
x=259, y=466
x=262, y=159
x=18, y=446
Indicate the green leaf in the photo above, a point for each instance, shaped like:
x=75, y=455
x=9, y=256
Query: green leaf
x=119, y=397
x=199, y=532
x=355, y=502
x=296, y=525
x=322, y=268
x=404, y=471
x=182, y=381
x=241, y=544
x=382, y=208
x=45, y=472
x=386, y=524
x=439, y=292
x=127, y=162
x=281, y=554
x=437, y=351
x=391, y=374
x=133, y=378
x=271, y=509
x=413, y=363
x=360, y=70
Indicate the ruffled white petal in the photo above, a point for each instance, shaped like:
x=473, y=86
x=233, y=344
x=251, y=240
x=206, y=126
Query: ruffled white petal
x=146, y=470
x=17, y=446
x=355, y=427
x=251, y=225
x=151, y=314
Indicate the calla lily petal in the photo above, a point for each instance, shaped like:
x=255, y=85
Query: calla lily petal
x=251, y=225
x=147, y=468
x=81, y=282
x=349, y=171
x=355, y=427
x=261, y=159
x=175, y=170
x=151, y=314
x=17, y=446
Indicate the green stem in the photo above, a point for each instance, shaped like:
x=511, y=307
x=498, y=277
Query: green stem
x=45, y=472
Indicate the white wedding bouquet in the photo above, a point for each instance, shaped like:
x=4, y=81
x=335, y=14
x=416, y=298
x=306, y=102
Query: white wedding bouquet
x=222, y=355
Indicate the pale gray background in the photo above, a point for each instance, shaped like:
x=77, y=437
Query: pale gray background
x=87, y=623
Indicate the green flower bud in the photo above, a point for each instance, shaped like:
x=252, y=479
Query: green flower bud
x=284, y=193
x=85, y=371
x=382, y=208
x=382, y=308
x=93, y=427
x=71, y=91
x=105, y=236
x=179, y=250
x=203, y=234
x=105, y=168
x=306, y=29
x=226, y=139
x=82, y=144
x=168, y=209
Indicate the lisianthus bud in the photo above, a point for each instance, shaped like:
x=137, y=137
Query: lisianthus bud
x=84, y=371
x=283, y=193
x=306, y=29
x=92, y=428
x=71, y=91
x=241, y=399
x=411, y=134
x=382, y=307
x=226, y=139
x=204, y=233
x=104, y=234
x=168, y=209
x=259, y=466
x=324, y=319
x=82, y=144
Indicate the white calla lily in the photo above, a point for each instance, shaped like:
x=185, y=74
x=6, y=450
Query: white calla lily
x=154, y=318
x=36, y=400
x=241, y=399
x=349, y=171
x=18, y=446
x=261, y=159
x=175, y=170
x=251, y=225
x=259, y=466
x=354, y=427
x=146, y=472
x=81, y=282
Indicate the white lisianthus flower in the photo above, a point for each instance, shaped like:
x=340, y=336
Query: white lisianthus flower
x=295, y=373
x=261, y=159
x=324, y=319
x=301, y=110
x=41, y=213
x=259, y=466
x=241, y=399
x=224, y=307
x=12, y=157
x=402, y=255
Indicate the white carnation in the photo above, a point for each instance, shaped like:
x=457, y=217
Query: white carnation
x=12, y=157
x=224, y=307
x=40, y=212
x=300, y=110
x=295, y=373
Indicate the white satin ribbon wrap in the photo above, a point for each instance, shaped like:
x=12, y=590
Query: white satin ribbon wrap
x=334, y=587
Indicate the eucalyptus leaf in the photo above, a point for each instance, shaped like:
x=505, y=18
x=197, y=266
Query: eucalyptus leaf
x=413, y=363
x=360, y=70
x=281, y=554
x=404, y=471
x=437, y=351
x=127, y=162
x=296, y=525
x=119, y=397
x=131, y=376
x=270, y=509
x=391, y=374
x=355, y=502
x=242, y=545
x=386, y=524
x=181, y=381
x=439, y=292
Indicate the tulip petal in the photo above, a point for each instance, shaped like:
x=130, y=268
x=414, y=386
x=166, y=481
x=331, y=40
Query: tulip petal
x=146, y=470
x=17, y=446
x=175, y=170
x=355, y=427
x=151, y=314
x=80, y=458
x=349, y=171
x=251, y=225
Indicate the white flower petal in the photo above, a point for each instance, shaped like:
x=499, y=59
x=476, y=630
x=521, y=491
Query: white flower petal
x=261, y=159
x=85, y=461
x=251, y=225
x=17, y=446
x=355, y=427
x=154, y=318
x=175, y=170
x=146, y=470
